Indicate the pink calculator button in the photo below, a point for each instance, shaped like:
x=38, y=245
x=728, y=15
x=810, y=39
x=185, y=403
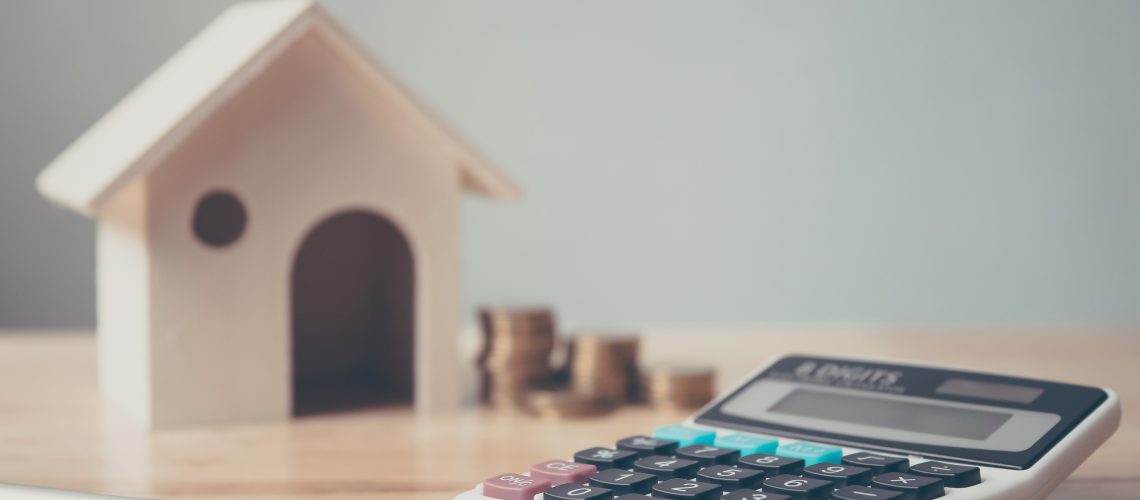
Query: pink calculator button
x=512, y=486
x=562, y=472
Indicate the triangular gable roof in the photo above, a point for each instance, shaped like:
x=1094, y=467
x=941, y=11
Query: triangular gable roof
x=138, y=133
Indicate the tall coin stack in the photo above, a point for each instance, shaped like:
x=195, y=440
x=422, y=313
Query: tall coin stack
x=517, y=342
x=604, y=366
x=671, y=387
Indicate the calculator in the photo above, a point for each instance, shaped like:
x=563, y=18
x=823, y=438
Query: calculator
x=809, y=427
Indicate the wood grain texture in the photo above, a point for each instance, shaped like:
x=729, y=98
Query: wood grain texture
x=54, y=431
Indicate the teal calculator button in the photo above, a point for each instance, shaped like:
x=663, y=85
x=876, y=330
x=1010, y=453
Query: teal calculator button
x=747, y=444
x=685, y=436
x=811, y=453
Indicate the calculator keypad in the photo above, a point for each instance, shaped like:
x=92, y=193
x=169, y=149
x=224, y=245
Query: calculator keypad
x=703, y=471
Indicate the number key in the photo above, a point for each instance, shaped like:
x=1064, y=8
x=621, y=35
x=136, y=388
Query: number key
x=623, y=481
x=800, y=488
x=577, y=492
x=754, y=495
x=731, y=477
x=839, y=475
x=916, y=487
x=667, y=467
x=771, y=464
x=709, y=455
x=955, y=476
x=686, y=489
x=606, y=458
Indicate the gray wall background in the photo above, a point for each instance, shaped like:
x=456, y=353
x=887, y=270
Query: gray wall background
x=916, y=163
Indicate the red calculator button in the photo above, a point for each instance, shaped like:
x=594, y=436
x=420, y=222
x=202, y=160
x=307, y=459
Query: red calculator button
x=513, y=486
x=562, y=472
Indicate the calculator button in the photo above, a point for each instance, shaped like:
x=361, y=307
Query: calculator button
x=667, y=467
x=606, y=458
x=514, y=487
x=731, y=477
x=686, y=489
x=916, y=487
x=708, y=455
x=866, y=493
x=577, y=492
x=798, y=487
x=771, y=464
x=746, y=443
x=634, y=496
x=954, y=476
x=839, y=475
x=623, y=481
x=754, y=495
x=562, y=472
x=877, y=463
x=685, y=436
x=646, y=446
x=811, y=453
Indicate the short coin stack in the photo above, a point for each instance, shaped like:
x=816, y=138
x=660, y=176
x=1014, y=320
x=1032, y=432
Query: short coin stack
x=604, y=365
x=517, y=342
x=679, y=387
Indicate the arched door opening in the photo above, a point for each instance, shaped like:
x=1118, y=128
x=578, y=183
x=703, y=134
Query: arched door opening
x=353, y=315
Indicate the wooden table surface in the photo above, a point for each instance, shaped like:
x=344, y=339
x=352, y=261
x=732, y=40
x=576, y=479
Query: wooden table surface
x=54, y=432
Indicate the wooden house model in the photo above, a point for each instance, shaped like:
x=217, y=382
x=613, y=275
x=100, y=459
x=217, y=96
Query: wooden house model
x=277, y=228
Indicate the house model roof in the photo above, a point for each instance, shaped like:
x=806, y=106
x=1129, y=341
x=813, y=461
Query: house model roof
x=138, y=133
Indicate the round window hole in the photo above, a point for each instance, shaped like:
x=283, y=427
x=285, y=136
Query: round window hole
x=219, y=219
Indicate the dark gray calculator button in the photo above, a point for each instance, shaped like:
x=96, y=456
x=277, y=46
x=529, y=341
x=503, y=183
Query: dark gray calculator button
x=686, y=489
x=754, y=495
x=866, y=493
x=708, y=455
x=839, y=475
x=623, y=481
x=954, y=476
x=916, y=487
x=799, y=488
x=571, y=491
x=772, y=465
x=646, y=446
x=731, y=477
x=877, y=463
x=634, y=496
x=606, y=458
x=667, y=467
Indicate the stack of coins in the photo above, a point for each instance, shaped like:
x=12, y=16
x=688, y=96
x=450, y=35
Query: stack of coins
x=566, y=404
x=679, y=387
x=604, y=365
x=516, y=353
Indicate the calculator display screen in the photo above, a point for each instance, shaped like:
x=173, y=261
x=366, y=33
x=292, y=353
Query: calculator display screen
x=892, y=414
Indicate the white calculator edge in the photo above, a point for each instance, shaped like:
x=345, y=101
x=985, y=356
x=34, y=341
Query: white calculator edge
x=1035, y=482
